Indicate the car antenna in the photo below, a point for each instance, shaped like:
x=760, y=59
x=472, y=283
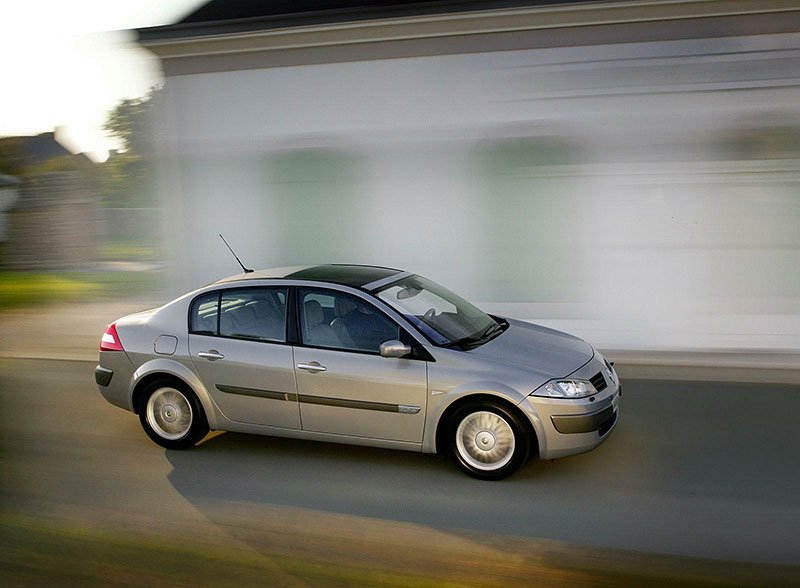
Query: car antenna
x=246, y=270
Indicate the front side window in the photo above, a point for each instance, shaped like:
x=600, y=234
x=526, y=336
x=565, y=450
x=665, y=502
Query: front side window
x=445, y=318
x=257, y=314
x=341, y=321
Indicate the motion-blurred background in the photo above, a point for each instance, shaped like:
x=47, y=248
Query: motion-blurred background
x=627, y=171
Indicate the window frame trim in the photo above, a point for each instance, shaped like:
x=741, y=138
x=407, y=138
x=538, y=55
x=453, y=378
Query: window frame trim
x=419, y=341
x=221, y=292
x=419, y=353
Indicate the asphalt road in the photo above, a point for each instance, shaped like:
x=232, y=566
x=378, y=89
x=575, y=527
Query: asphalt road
x=700, y=469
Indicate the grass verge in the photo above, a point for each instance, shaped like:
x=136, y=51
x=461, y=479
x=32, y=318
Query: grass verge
x=18, y=288
x=128, y=250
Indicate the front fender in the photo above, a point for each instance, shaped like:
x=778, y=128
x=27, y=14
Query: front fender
x=174, y=368
x=438, y=403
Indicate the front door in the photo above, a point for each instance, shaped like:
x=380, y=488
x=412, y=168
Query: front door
x=344, y=385
x=237, y=341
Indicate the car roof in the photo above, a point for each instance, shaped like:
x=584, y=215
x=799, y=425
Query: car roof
x=353, y=275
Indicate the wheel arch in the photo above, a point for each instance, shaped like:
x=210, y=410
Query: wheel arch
x=444, y=420
x=166, y=368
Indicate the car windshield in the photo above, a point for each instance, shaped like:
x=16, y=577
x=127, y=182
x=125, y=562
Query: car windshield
x=445, y=318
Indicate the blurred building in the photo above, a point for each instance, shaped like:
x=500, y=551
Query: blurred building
x=50, y=219
x=36, y=153
x=54, y=223
x=628, y=171
x=9, y=192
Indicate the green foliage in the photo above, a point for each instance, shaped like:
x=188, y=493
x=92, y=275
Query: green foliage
x=24, y=288
x=128, y=250
x=127, y=178
x=65, y=163
x=131, y=122
x=127, y=181
x=12, y=162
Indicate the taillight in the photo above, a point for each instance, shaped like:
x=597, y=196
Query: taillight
x=110, y=340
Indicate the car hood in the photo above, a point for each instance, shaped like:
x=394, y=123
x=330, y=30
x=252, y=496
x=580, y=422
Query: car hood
x=548, y=352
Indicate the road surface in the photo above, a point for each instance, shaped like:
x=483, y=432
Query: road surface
x=697, y=469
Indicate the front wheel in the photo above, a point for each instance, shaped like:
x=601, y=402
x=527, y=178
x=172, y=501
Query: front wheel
x=487, y=441
x=171, y=415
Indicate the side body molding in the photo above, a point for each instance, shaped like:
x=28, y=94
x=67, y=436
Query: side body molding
x=174, y=368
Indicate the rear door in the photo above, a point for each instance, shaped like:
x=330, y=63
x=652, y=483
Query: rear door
x=237, y=341
x=344, y=385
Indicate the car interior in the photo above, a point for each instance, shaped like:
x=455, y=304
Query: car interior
x=340, y=322
x=347, y=323
x=263, y=318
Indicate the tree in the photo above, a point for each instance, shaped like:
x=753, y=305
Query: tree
x=131, y=122
x=12, y=160
x=128, y=174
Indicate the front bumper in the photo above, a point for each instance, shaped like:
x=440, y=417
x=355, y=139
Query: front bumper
x=600, y=421
x=568, y=427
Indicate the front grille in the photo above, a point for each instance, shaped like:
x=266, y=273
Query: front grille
x=598, y=381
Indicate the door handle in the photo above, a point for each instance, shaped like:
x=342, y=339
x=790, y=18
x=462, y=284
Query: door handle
x=211, y=355
x=311, y=367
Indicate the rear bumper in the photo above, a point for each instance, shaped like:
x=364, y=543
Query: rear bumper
x=113, y=378
x=102, y=376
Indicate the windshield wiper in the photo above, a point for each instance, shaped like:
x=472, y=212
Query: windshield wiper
x=463, y=341
x=491, y=330
x=484, y=337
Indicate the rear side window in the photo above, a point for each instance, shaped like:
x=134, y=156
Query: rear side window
x=253, y=313
x=204, y=314
x=257, y=314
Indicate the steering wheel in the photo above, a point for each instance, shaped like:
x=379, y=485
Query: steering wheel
x=429, y=314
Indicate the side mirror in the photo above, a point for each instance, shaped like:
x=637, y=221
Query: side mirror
x=394, y=348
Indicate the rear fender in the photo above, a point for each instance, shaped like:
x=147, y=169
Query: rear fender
x=170, y=367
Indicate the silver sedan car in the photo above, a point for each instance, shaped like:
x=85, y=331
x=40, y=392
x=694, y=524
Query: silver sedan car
x=363, y=355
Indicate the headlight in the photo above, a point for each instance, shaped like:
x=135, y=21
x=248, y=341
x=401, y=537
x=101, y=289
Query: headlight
x=566, y=389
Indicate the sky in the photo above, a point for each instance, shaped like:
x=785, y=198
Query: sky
x=67, y=64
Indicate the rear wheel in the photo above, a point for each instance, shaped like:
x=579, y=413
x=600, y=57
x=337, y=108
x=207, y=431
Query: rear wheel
x=488, y=441
x=171, y=415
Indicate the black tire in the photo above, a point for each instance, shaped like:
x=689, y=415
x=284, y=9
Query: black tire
x=498, y=430
x=175, y=419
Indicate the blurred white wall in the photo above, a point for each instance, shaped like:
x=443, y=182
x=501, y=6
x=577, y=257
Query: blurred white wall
x=642, y=195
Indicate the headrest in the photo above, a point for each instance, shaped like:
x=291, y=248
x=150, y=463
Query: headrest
x=245, y=315
x=313, y=313
x=260, y=308
x=344, y=305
